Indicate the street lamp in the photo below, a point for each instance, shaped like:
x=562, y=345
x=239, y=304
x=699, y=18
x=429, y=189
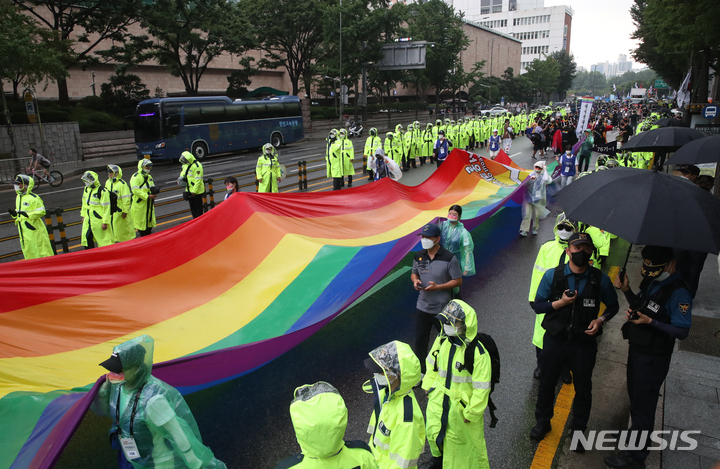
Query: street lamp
x=334, y=79
x=340, y=79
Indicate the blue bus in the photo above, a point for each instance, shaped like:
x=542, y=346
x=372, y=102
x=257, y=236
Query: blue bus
x=165, y=127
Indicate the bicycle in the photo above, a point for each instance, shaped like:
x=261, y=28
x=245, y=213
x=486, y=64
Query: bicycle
x=55, y=179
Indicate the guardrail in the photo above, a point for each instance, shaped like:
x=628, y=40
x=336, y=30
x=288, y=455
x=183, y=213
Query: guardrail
x=61, y=243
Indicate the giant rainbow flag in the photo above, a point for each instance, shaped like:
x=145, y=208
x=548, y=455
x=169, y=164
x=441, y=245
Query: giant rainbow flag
x=221, y=295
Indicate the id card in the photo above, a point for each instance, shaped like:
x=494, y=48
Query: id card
x=130, y=448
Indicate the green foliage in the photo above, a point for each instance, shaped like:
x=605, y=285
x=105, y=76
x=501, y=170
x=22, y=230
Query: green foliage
x=595, y=83
x=542, y=76
x=95, y=103
x=568, y=69
x=239, y=80
x=75, y=31
x=123, y=92
x=188, y=35
x=436, y=21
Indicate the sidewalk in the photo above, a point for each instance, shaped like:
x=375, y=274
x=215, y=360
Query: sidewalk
x=690, y=397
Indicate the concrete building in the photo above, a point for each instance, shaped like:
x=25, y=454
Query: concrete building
x=611, y=69
x=542, y=30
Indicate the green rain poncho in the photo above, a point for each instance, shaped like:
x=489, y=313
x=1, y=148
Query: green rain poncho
x=457, y=398
x=319, y=417
x=456, y=239
x=164, y=429
x=397, y=426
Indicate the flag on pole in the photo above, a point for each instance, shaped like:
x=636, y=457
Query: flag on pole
x=683, y=94
x=614, y=88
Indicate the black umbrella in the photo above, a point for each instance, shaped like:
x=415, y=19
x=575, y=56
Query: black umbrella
x=704, y=150
x=645, y=207
x=670, y=122
x=662, y=140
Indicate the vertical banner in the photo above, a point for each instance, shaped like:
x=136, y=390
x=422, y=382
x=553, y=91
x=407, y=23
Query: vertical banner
x=584, y=116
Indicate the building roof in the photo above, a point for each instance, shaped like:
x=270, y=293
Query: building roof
x=490, y=30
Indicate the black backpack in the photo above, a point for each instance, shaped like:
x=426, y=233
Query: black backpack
x=488, y=344
x=113, y=199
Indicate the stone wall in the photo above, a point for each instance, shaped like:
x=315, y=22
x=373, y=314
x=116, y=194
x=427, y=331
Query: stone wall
x=62, y=144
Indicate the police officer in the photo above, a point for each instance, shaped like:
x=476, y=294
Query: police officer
x=267, y=170
x=191, y=178
x=96, y=213
x=658, y=314
x=29, y=216
x=342, y=154
x=144, y=193
x=372, y=143
x=551, y=255
x=122, y=227
x=570, y=296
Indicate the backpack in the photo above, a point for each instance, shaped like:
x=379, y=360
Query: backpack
x=113, y=199
x=489, y=345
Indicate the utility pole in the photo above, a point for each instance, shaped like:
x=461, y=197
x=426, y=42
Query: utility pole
x=342, y=95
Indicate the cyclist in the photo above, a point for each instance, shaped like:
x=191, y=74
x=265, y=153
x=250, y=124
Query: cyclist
x=38, y=161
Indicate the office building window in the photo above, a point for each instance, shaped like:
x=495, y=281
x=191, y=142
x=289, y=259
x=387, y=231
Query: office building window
x=484, y=10
x=513, y=5
x=497, y=8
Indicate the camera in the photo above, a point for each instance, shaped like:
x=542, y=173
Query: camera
x=634, y=315
x=154, y=190
x=570, y=294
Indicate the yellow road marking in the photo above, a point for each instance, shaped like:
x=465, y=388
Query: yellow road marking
x=545, y=452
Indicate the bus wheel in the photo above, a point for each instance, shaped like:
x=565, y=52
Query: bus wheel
x=199, y=150
x=276, y=140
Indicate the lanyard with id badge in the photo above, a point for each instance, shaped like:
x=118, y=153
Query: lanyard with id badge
x=128, y=444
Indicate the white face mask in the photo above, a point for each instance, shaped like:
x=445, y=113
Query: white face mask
x=17, y=188
x=427, y=243
x=381, y=379
x=564, y=235
x=663, y=276
x=568, y=153
x=88, y=183
x=449, y=330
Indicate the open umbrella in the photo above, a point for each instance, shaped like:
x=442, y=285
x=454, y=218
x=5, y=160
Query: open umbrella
x=669, y=122
x=662, y=141
x=704, y=150
x=645, y=207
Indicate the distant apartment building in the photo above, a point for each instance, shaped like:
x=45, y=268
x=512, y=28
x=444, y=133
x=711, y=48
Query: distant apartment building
x=612, y=69
x=542, y=30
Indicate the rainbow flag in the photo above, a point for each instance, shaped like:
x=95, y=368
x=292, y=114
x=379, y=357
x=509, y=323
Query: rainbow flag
x=221, y=295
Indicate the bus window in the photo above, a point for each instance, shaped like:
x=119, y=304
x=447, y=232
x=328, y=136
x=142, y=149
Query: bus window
x=293, y=110
x=276, y=110
x=171, y=121
x=212, y=114
x=192, y=115
x=236, y=112
x=257, y=111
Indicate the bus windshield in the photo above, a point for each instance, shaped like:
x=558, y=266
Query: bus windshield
x=148, y=123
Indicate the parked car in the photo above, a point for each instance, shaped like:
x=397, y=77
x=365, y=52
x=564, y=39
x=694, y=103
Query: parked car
x=496, y=111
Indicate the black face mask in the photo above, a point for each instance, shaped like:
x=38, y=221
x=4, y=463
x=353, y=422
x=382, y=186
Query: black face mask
x=580, y=258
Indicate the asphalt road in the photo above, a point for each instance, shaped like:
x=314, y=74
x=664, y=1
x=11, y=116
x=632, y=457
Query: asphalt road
x=246, y=421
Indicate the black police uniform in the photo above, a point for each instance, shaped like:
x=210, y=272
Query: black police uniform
x=565, y=338
x=651, y=346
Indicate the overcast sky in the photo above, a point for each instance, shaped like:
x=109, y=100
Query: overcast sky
x=600, y=30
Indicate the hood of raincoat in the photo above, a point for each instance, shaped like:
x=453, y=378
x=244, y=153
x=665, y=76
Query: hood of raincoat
x=189, y=157
x=136, y=356
x=561, y=218
x=96, y=180
x=398, y=361
x=429, y=126
x=118, y=173
x=140, y=164
x=462, y=316
x=319, y=417
x=380, y=151
x=29, y=183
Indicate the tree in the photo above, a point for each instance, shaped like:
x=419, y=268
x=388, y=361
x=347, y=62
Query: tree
x=188, y=35
x=542, y=76
x=239, y=80
x=568, y=68
x=439, y=23
x=24, y=55
x=92, y=22
x=291, y=35
x=123, y=92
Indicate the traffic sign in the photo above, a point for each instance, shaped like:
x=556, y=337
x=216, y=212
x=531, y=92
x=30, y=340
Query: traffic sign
x=710, y=111
x=30, y=106
x=661, y=84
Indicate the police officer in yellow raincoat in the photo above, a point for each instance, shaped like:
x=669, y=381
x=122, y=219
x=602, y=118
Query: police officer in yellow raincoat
x=267, y=170
x=319, y=417
x=144, y=193
x=342, y=153
x=96, y=213
x=457, y=398
x=122, y=227
x=372, y=143
x=397, y=426
x=191, y=179
x=29, y=216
